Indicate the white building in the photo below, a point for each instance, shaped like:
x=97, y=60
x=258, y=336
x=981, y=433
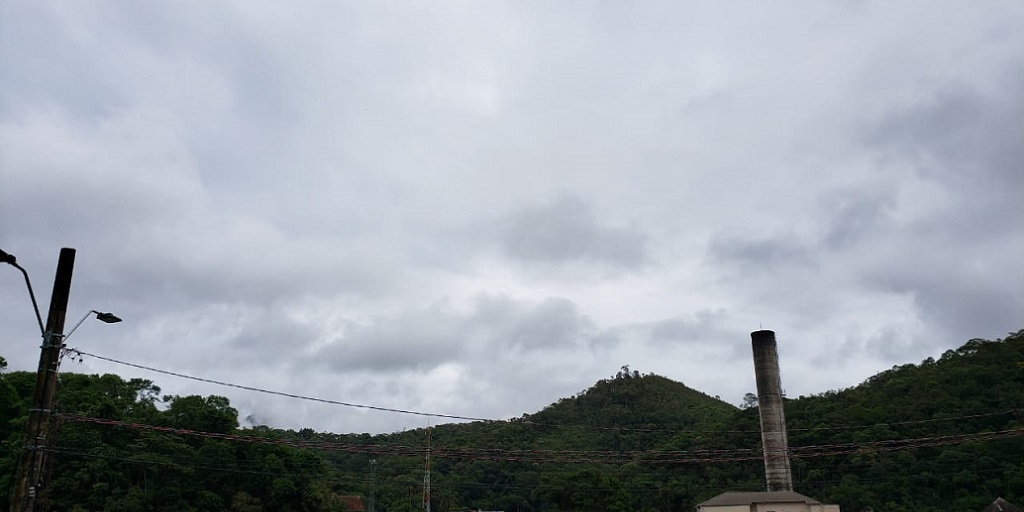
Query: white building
x=778, y=501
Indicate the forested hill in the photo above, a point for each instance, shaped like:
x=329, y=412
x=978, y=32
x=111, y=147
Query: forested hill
x=948, y=405
x=941, y=435
x=630, y=399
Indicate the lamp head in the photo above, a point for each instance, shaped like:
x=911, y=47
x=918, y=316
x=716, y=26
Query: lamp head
x=109, y=318
x=6, y=257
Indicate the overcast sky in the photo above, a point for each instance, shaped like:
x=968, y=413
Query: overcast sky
x=478, y=208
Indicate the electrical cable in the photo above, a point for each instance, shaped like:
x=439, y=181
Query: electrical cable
x=280, y=393
x=581, y=456
x=79, y=353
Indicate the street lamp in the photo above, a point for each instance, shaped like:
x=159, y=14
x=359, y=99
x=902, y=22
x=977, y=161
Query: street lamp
x=31, y=478
x=109, y=318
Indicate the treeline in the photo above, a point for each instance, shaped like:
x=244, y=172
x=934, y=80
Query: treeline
x=941, y=435
x=122, y=467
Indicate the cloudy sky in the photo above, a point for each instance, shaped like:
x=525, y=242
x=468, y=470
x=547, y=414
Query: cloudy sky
x=477, y=208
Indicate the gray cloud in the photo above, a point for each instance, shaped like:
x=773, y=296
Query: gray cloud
x=963, y=138
x=354, y=202
x=569, y=231
x=419, y=341
x=699, y=329
x=427, y=338
x=551, y=324
x=952, y=294
x=758, y=254
x=857, y=217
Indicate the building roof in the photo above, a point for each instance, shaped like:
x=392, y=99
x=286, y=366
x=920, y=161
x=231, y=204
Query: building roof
x=749, y=498
x=1001, y=505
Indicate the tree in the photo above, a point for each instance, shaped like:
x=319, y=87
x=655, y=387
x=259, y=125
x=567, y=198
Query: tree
x=207, y=414
x=749, y=401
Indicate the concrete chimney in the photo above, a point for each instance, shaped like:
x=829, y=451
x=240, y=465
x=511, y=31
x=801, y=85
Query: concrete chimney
x=773, y=419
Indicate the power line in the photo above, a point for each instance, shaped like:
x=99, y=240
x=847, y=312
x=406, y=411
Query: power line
x=151, y=462
x=295, y=468
x=281, y=393
x=908, y=422
x=397, y=480
x=581, y=456
x=78, y=352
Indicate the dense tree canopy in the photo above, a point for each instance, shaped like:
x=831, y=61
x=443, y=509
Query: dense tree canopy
x=941, y=435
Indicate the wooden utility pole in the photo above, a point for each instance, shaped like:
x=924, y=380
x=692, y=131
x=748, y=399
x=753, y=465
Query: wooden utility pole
x=31, y=480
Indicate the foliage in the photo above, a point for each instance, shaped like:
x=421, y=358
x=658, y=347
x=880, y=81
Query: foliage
x=630, y=442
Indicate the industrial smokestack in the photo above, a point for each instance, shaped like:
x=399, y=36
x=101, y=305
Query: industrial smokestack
x=773, y=418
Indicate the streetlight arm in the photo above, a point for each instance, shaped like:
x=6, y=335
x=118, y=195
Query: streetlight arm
x=9, y=258
x=32, y=295
x=72, y=331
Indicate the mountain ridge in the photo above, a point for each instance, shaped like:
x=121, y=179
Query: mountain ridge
x=944, y=434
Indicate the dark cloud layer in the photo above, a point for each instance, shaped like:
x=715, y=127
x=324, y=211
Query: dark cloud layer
x=568, y=231
x=425, y=207
x=428, y=338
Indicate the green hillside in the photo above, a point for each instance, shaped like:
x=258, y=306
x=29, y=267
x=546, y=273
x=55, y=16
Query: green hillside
x=630, y=399
x=941, y=435
x=976, y=388
x=580, y=453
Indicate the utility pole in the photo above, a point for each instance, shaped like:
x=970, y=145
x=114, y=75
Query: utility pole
x=31, y=479
x=373, y=486
x=426, y=476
